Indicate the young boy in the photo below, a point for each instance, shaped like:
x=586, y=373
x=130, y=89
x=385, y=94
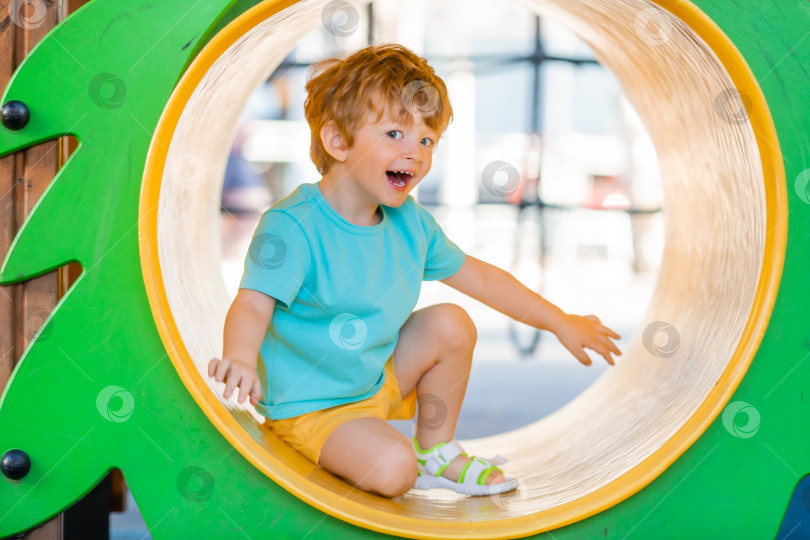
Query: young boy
x=322, y=335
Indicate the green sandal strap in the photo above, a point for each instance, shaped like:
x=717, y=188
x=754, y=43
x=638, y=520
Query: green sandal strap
x=463, y=474
x=482, y=478
x=478, y=468
x=437, y=458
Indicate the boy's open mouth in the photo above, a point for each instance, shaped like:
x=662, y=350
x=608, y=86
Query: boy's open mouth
x=399, y=179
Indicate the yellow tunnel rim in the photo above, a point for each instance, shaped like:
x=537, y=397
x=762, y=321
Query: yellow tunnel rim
x=608, y=495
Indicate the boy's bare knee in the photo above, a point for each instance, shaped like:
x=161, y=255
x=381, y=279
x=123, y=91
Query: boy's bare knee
x=455, y=326
x=397, y=474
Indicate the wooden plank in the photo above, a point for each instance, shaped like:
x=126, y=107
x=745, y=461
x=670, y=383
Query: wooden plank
x=7, y=217
x=23, y=178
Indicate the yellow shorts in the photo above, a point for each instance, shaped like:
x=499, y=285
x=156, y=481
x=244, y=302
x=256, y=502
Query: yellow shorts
x=308, y=433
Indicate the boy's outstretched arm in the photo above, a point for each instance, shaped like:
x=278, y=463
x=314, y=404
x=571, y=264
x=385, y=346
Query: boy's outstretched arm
x=501, y=291
x=245, y=326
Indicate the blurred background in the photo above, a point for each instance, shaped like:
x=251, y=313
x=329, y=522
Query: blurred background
x=546, y=171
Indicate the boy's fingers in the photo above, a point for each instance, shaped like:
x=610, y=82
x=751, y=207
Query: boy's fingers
x=605, y=330
x=243, y=387
x=212, y=366
x=243, y=393
x=582, y=357
x=256, y=392
x=609, y=332
x=222, y=369
x=611, y=346
x=231, y=383
x=604, y=351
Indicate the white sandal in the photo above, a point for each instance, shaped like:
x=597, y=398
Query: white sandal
x=472, y=480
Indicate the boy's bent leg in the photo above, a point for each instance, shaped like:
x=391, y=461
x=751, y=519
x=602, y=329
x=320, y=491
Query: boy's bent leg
x=372, y=455
x=434, y=355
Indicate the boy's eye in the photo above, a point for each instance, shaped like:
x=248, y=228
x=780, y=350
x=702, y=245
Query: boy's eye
x=395, y=134
x=428, y=142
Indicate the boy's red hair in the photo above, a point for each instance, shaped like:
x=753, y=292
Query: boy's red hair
x=345, y=90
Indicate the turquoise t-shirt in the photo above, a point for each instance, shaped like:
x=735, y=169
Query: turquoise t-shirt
x=342, y=291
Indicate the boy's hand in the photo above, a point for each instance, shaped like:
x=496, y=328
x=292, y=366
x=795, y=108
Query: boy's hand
x=577, y=332
x=236, y=373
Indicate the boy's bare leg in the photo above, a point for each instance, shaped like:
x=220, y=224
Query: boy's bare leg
x=371, y=454
x=434, y=355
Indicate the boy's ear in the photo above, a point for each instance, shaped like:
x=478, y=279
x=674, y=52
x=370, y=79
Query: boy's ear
x=334, y=142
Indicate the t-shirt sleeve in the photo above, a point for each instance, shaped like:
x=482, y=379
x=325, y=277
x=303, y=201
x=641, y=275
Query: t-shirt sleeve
x=444, y=258
x=278, y=258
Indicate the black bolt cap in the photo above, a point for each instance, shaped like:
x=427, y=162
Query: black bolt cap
x=15, y=464
x=15, y=114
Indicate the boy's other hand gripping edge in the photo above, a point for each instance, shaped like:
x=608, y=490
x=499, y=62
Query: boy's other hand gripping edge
x=236, y=373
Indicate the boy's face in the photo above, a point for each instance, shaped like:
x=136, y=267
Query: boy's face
x=389, y=157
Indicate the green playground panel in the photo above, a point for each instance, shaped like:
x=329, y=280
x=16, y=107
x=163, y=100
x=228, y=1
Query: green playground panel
x=104, y=75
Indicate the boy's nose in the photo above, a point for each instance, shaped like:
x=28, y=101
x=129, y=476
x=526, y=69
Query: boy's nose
x=411, y=150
